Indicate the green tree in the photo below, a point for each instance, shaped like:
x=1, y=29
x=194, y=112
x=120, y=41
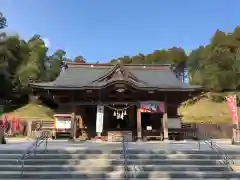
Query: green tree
x=33, y=67
x=3, y=21
x=54, y=64
x=216, y=65
x=80, y=59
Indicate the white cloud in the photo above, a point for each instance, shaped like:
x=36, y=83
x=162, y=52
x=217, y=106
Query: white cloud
x=46, y=41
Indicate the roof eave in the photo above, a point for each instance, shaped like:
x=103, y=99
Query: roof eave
x=101, y=87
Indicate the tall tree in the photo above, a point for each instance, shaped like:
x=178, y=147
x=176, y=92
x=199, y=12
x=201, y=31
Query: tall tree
x=80, y=59
x=54, y=64
x=3, y=21
x=33, y=68
x=216, y=65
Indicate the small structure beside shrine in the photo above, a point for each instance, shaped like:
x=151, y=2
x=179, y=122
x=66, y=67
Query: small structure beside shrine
x=106, y=101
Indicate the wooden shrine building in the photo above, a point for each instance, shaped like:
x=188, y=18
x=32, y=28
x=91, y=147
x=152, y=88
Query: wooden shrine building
x=134, y=98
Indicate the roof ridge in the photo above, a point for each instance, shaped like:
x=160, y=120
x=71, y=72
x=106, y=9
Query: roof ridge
x=109, y=64
x=129, y=66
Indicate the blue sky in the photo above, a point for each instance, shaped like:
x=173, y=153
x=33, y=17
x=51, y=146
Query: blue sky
x=101, y=30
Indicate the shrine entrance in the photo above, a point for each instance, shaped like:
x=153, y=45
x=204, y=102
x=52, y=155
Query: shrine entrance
x=119, y=120
x=109, y=122
x=152, y=126
x=116, y=119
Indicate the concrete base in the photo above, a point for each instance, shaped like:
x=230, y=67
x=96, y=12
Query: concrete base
x=72, y=140
x=99, y=140
x=3, y=140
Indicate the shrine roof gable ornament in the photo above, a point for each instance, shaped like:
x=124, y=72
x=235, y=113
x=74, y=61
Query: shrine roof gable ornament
x=116, y=73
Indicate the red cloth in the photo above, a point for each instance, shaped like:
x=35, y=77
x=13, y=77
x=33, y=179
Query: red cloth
x=17, y=125
x=5, y=122
x=13, y=123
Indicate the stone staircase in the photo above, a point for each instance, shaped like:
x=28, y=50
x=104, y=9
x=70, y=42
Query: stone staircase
x=106, y=165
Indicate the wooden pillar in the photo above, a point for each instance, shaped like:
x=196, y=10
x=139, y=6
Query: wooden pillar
x=81, y=122
x=80, y=119
x=29, y=128
x=131, y=117
x=73, y=126
x=82, y=127
x=139, y=124
x=73, y=119
x=165, y=119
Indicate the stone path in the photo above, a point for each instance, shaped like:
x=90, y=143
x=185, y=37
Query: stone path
x=166, y=145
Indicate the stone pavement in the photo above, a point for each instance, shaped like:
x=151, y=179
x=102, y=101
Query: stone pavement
x=151, y=145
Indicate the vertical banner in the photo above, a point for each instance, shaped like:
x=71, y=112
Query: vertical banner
x=232, y=105
x=99, y=120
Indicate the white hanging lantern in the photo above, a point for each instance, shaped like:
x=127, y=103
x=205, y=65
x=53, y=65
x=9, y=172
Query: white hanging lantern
x=118, y=115
x=122, y=116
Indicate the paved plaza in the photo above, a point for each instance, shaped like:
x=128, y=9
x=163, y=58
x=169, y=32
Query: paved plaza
x=151, y=145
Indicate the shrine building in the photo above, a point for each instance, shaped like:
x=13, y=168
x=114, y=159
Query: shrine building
x=109, y=100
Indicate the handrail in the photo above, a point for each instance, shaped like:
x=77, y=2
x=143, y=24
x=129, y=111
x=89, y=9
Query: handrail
x=32, y=149
x=227, y=161
x=126, y=158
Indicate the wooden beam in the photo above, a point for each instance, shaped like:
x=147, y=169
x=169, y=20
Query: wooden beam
x=117, y=97
x=100, y=102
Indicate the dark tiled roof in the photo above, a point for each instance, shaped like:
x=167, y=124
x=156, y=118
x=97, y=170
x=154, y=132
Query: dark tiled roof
x=86, y=76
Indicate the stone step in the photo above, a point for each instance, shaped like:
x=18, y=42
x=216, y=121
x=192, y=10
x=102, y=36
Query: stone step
x=135, y=179
x=120, y=175
x=117, y=156
x=112, y=161
x=117, y=151
x=102, y=168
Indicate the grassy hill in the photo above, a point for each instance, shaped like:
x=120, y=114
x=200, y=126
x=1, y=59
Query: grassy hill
x=205, y=111
x=201, y=111
x=32, y=112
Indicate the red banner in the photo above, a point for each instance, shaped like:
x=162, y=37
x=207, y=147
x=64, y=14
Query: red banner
x=232, y=104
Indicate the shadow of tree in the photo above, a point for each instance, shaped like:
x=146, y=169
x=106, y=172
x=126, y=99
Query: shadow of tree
x=108, y=164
